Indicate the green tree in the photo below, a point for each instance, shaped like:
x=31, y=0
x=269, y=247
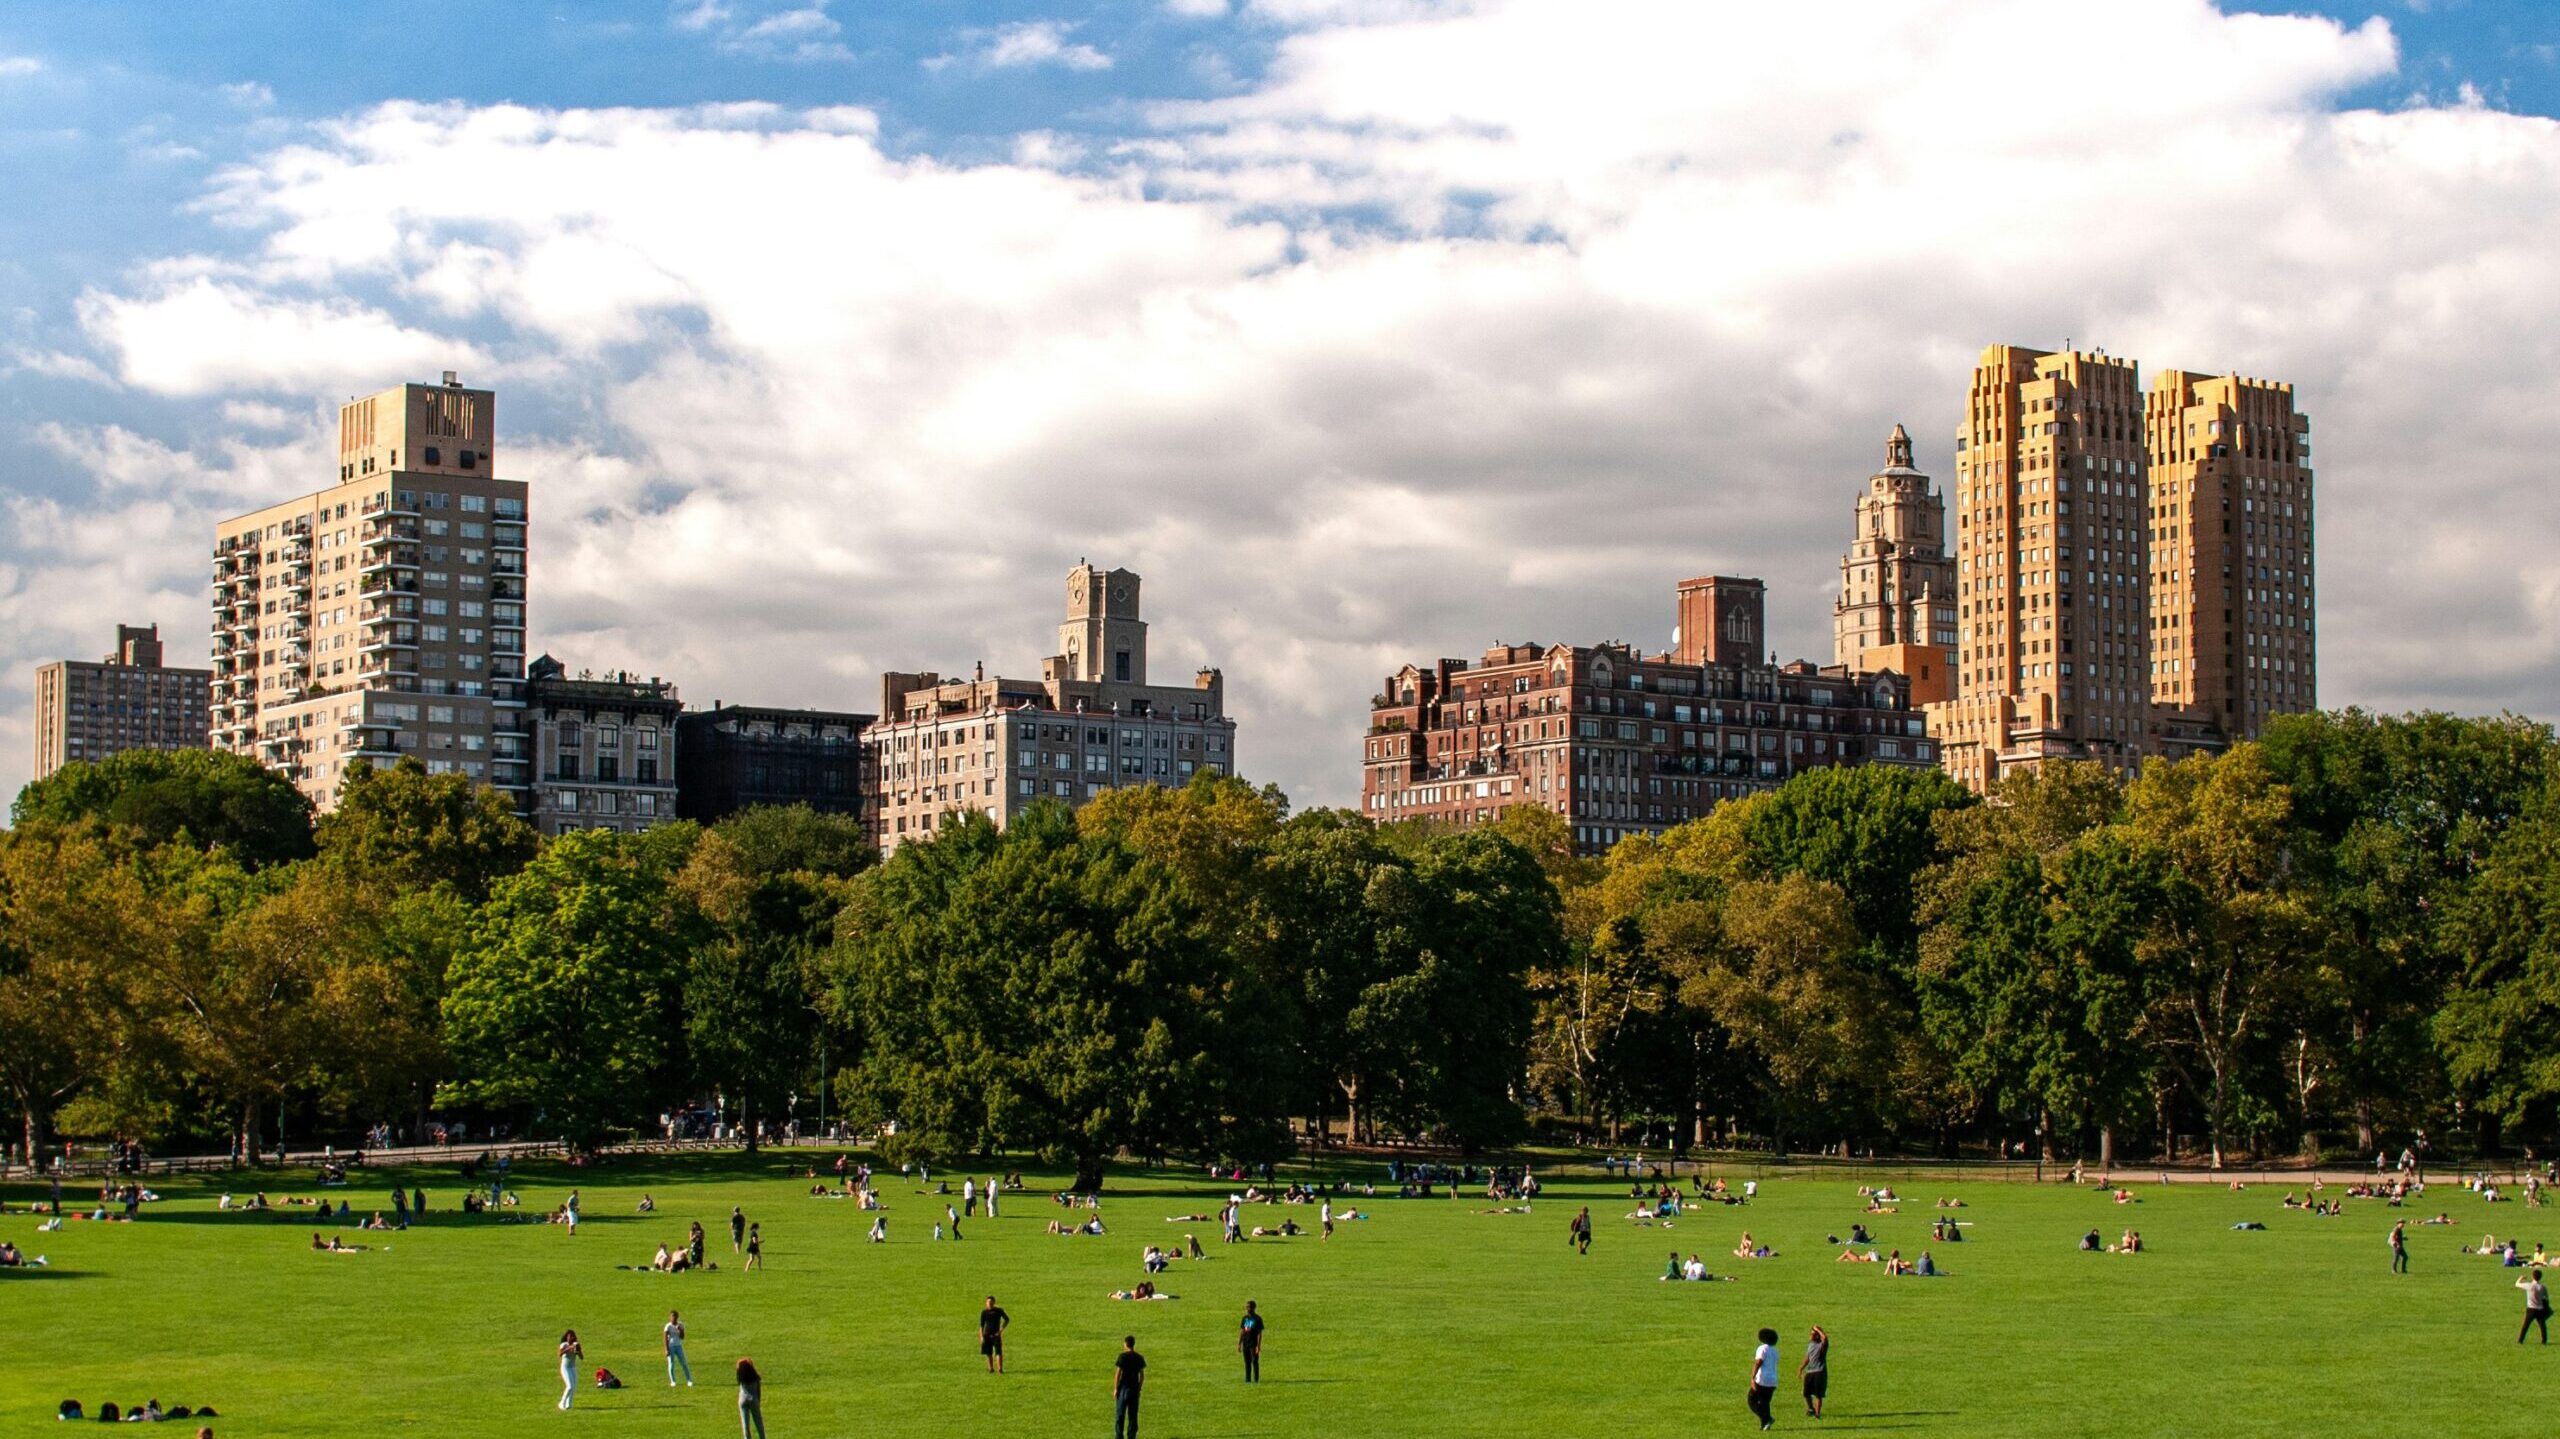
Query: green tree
x=2230, y=935
x=1775, y=966
x=767, y=884
x=403, y=829
x=66, y=903
x=1031, y=989
x=213, y=798
x=565, y=998
x=2496, y=1024
x=2398, y=816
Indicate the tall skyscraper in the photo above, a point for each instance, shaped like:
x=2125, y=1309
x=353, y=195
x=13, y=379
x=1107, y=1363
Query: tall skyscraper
x=129, y=700
x=2090, y=560
x=2232, y=621
x=1897, y=605
x=382, y=615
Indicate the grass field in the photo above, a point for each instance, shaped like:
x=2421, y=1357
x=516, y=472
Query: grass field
x=1427, y=1318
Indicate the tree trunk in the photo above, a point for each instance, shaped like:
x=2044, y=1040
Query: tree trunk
x=249, y=1129
x=2365, y=1129
x=1088, y=1178
x=747, y=1118
x=2213, y=1117
x=2106, y=1146
x=35, y=1132
x=2044, y=1136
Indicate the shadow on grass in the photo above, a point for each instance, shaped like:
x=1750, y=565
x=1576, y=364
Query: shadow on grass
x=39, y=1271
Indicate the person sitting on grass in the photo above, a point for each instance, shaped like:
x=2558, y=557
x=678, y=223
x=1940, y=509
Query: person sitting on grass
x=1895, y=1264
x=880, y=1229
x=663, y=1260
x=648, y=1205
x=1927, y=1268
x=2090, y=1243
x=2131, y=1243
x=1671, y=1269
x=1858, y=1235
x=1749, y=1249
x=1154, y=1260
x=1191, y=1246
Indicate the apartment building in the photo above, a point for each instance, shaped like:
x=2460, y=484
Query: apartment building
x=381, y=615
x=2133, y=571
x=1091, y=723
x=1897, y=604
x=739, y=756
x=2233, y=627
x=604, y=749
x=1620, y=742
x=129, y=700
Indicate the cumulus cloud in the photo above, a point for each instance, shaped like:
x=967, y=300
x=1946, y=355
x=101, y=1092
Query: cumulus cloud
x=799, y=32
x=12, y=66
x=1463, y=324
x=1022, y=45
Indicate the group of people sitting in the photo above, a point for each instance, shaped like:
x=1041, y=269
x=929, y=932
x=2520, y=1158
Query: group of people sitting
x=1893, y=1262
x=147, y=1412
x=2093, y=1243
x=1947, y=1231
x=2325, y=1208
x=1092, y=1225
x=1750, y=1248
x=1691, y=1269
x=1880, y=1200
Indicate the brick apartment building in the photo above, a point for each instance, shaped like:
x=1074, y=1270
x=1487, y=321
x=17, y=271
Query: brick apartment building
x=130, y=700
x=1620, y=742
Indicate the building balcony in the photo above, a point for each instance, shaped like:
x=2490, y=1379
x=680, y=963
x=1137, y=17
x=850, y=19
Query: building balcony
x=390, y=562
x=378, y=644
x=388, y=509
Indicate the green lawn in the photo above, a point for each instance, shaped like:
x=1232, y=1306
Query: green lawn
x=1427, y=1318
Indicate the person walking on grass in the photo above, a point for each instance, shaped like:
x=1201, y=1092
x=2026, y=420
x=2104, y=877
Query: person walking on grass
x=673, y=1337
x=1816, y=1369
x=2400, y=1247
x=1249, y=1343
x=750, y=1400
x=1764, y=1378
x=737, y=1229
x=2537, y=1305
x=992, y=1323
x=1578, y=1233
x=570, y=1353
x=1128, y=1374
x=755, y=1246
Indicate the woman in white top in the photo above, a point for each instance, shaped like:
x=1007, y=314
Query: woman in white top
x=674, y=1333
x=570, y=1353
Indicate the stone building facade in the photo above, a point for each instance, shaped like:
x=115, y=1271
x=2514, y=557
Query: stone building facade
x=1897, y=604
x=604, y=749
x=1091, y=723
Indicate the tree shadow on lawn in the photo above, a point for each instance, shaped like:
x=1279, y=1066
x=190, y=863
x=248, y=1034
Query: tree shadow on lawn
x=41, y=1271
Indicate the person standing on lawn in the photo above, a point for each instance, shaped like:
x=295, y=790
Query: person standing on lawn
x=1249, y=1343
x=571, y=1351
x=1816, y=1370
x=1128, y=1374
x=673, y=1335
x=992, y=1323
x=750, y=1400
x=1764, y=1378
x=2537, y=1305
x=2400, y=1247
x=737, y=1229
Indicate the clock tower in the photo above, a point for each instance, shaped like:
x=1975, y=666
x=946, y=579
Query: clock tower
x=1103, y=638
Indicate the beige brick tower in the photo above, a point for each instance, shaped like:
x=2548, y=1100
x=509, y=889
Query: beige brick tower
x=2051, y=594
x=2232, y=627
x=1897, y=604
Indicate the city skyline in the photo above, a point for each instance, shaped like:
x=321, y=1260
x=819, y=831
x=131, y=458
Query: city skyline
x=1495, y=370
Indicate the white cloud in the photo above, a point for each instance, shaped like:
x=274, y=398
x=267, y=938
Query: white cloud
x=800, y=32
x=1196, y=9
x=1023, y=45
x=201, y=337
x=12, y=66
x=249, y=95
x=1463, y=325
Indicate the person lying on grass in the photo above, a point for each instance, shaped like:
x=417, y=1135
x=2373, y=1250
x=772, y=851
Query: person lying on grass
x=1857, y=1256
x=334, y=1245
x=1146, y=1290
x=1749, y=1248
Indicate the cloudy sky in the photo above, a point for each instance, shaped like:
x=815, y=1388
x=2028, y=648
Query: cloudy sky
x=830, y=335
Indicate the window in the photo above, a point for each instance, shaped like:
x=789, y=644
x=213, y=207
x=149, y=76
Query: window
x=467, y=459
x=568, y=766
x=475, y=504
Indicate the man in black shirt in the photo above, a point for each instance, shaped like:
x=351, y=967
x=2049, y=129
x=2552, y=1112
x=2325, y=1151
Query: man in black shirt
x=1128, y=1372
x=1249, y=1343
x=991, y=1324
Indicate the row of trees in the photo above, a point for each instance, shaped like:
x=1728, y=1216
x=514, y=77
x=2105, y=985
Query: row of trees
x=2347, y=930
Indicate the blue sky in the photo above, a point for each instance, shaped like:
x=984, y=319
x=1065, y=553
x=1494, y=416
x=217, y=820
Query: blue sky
x=1442, y=323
